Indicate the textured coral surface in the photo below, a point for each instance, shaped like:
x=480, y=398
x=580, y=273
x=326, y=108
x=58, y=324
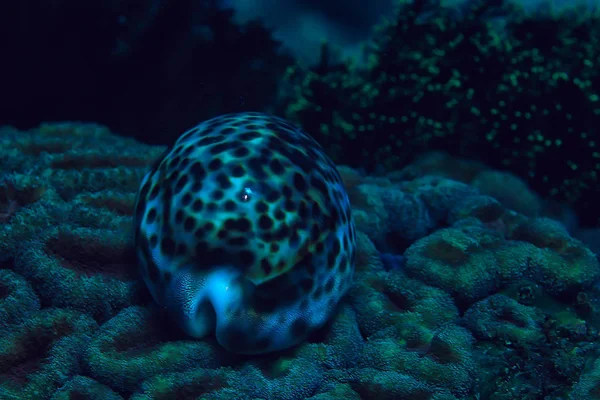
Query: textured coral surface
x=456, y=294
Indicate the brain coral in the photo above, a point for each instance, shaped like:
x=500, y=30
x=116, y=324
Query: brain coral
x=78, y=323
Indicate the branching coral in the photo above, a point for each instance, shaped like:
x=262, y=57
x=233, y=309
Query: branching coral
x=519, y=90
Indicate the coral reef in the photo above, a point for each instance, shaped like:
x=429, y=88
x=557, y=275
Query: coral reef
x=487, y=81
x=456, y=295
x=82, y=387
x=39, y=355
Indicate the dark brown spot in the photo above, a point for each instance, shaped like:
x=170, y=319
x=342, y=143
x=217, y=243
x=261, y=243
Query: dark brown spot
x=154, y=192
x=219, y=148
x=256, y=165
x=151, y=216
x=189, y=224
x=261, y=207
x=343, y=264
x=223, y=181
x=329, y=285
x=241, y=152
x=299, y=182
x=186, y=200
x=319, y=248
x=215, y=164
x=197, y=171
x=303, y=210
x=181, y=182
x=276, y=167
x=238, y=241
x=207, y=140
x=197, y=186
x=315, y=232
x=167, y=246
x=289, y=206
x=217, y=195
x=170, y=181
x=294, y=239
x=281, y=233
x=174, y=162
x=287, y=191
x=179, y=217
x=265, y=222
x=197, y=205
x=319, y=185
x=153, y=241
x=230, y=205
x=346, y=242
x=167, y=199
x=238, y=171
x=266, y=266
x=239, y=224
x=248, y=136
x=336, y=247
x=273, y=196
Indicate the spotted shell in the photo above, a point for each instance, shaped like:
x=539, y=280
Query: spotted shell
x=243, y=228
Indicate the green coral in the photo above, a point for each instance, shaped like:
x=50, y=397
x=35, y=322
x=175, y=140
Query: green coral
x=82, y=387
x=520, y=89
x=588, y=386
x=17, y=300
x=134, y=345
x=469, y=262
x=38, y=356
x=398, y=334
x=500, y=317
x=81, y=268
x=569, y=266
